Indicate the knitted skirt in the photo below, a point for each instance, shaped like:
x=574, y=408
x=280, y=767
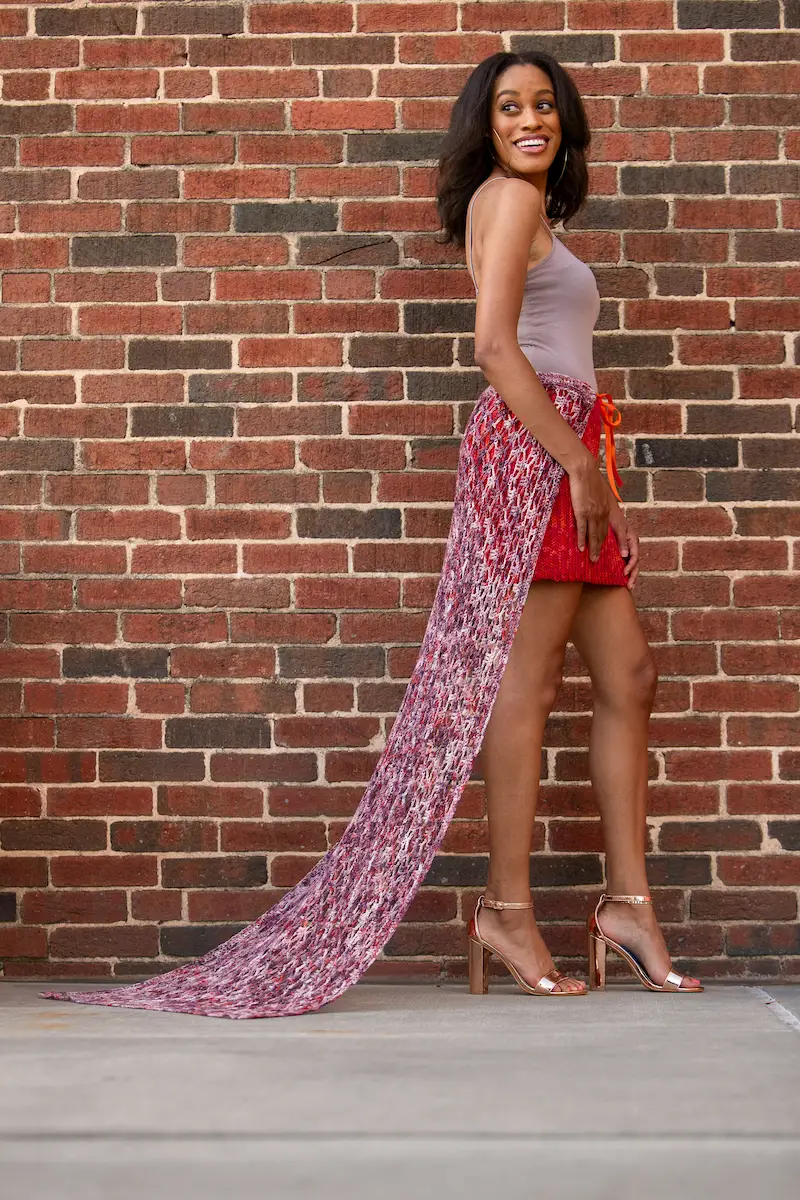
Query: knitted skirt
x=559, y=557
x=323, y=933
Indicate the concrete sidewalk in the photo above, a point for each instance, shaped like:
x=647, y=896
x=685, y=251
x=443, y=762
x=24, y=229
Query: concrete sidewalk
x=406, y=1091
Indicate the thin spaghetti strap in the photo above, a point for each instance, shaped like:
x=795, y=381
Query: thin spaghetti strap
x=469, y=225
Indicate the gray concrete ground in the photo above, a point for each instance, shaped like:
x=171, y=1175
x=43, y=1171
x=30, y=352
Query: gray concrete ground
x=406, y=1091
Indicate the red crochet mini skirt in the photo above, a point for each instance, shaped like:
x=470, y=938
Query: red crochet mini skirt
x=559, y=557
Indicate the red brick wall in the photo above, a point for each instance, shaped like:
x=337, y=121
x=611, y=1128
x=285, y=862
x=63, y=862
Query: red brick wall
x=234, y=371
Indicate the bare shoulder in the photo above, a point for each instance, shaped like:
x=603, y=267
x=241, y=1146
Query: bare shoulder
x=512, y=201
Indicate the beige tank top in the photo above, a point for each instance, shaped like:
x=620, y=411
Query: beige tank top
x=560, y=306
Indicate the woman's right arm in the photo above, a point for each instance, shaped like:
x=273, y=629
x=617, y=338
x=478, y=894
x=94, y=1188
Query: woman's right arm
x=509, y=227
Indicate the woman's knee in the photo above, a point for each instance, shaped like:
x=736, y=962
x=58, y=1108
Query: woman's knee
x=632, y=686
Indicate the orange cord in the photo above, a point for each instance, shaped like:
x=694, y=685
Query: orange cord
x=612, y=417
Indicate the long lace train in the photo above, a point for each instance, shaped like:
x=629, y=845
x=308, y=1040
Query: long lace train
x=323, y=934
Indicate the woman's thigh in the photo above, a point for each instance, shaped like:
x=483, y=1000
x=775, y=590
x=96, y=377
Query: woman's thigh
x=608, y=635
x=537, y=652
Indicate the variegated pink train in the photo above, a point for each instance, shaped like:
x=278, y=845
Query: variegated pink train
x=320, y=937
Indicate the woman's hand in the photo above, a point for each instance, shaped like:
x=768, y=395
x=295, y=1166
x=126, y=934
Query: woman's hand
x=591, y=498
x=627, y=540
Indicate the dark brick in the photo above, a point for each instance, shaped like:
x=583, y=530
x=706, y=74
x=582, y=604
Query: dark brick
x=378, y=351
x=623, y=282
x=753, y=485
x=728, y=14
x=230, y=732
x=679, y=281
x=277, y=217
x=568, y=47
x=82, y=662
x=343, y=49
x=791, y=14
x=457, y=870
x=43, y=834
x=156, y=837
x=633, y=350
x=334, y=662
x=126, y=250
x=565, y=870
x=115, y=21
x=609, y=316
x=181, y=421
x=181, y=941
x=147, y=765
x=8, y=906
x=780, y=246
x=766, y=179
x=687, y=452
x=349, y=523
x=451, y=317
x=347, y=250
x=445, y=387
x=393, y=147
x=678, y=870
x=35, y=118
x=149, y=354
x=765, y=47
x=235, y=872
x=612, y=213
x=679, y=179
x=738, y=418
x=678, y=384
x=775, y=453
x=785, y=832
x=34, y=185
x=240, y=388
x=763, y=939
x=771, y=110
x=166, y=19
x=710, y=835
x=35, y=455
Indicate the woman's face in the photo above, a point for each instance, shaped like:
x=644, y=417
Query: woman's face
x=526, y=130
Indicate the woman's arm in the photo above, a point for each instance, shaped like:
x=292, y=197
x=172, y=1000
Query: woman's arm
x=509, y=226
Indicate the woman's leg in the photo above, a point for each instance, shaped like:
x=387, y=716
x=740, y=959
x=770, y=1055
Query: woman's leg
x=608, y=636
x=510, y=761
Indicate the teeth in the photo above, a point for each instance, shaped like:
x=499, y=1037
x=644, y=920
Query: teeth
x=532, y=142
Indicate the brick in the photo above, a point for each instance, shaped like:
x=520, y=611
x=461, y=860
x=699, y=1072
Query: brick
x=124, y=251
x=171, y=19
x=153, y=355
x=189, y=942
x=85, y=662
x=724, y=14
x=155, y=837
x=46, y=834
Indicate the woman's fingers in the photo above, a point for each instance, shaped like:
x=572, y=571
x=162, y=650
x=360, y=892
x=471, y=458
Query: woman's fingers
x=580, y=520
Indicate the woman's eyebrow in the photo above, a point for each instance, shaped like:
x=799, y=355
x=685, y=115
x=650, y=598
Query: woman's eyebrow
x=514, y=92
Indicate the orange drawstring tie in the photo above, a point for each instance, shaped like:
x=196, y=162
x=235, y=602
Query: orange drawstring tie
x=612, y=417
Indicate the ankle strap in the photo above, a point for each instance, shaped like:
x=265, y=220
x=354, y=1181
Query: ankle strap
x=503, y=903
x=628, y=899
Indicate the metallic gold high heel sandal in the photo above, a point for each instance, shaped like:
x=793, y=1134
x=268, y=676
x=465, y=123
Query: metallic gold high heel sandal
x=480, y=952
x=599, y=942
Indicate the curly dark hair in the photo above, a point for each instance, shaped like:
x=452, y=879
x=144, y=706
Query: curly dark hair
x=467, y=157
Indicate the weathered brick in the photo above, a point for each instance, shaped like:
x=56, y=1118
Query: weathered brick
x=150, y=354
x=139, y=250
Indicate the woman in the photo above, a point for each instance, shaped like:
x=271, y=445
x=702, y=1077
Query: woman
x=521, y=118
x=509, y=516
